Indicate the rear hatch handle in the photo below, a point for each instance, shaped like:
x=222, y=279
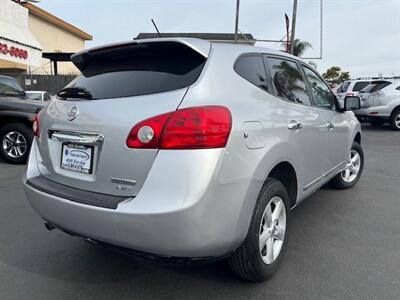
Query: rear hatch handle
x=77, y=137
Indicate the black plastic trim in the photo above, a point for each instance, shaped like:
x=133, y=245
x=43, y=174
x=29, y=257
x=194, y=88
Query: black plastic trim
x=75, y=195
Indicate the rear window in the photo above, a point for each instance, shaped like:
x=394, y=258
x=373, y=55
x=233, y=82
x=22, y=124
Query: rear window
x=376, y=86
x=139, y=69
x=358, y=86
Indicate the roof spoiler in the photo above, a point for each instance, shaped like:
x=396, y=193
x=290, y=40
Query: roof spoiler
x=83, y=58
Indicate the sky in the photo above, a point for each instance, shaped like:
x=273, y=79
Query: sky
x=360, y=36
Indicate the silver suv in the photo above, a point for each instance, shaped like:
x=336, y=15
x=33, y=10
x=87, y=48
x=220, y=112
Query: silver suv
x=381, y=103
x=190, y=151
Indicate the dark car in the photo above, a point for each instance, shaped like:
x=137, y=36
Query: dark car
x=17, y=114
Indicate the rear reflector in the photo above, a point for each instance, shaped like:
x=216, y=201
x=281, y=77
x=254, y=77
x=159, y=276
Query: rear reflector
x=36, y=126
x=200, y=127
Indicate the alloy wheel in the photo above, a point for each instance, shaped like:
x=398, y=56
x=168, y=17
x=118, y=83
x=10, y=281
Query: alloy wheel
x=350, y=173
x=397, y=120
x=14, y=144
x=272, y=230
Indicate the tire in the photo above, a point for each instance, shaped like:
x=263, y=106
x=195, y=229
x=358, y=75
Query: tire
x=248, y=261
x=395, y=120
x=341, y=181
x=19, y=137
x=376, y=122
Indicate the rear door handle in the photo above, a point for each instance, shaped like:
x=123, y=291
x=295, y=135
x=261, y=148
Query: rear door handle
x=293, y=125
x=330, y=125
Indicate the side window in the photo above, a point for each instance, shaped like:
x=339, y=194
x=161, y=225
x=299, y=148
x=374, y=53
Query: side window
x=46, y=97
x=322, y=94
x=252, y=69
x=288, y=80
x=343, y=87
x=398, y=88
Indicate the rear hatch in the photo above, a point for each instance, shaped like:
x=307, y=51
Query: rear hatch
x=83, y=133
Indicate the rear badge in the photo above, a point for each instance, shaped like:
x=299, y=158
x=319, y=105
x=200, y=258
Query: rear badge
x=73, y=113
x=123, y=184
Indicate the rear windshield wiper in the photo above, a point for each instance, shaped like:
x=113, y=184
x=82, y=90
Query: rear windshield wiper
x=75, y=92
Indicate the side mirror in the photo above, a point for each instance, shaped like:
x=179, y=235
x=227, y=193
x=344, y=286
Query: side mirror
x=352, y=103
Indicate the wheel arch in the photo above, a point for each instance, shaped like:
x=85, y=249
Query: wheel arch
x=357, y=138
x=285, y=172
x=396, y=108
x=22, y=119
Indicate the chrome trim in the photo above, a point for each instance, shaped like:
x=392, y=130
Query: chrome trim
x=123, y=181
x=312, y=183
x=77, y=137
x=337, y=168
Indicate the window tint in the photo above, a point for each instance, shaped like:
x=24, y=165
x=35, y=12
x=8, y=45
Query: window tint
x=47, y=97
x=343, y=87
x=10, y=87
x=139, y=69
x=375, y=86
x=322, y=94
x=358, y=86
x=34, y=96
x=252, y=69
x=288, y=80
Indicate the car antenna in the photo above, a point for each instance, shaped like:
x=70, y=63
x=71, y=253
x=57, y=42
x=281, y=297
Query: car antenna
x=155, y=26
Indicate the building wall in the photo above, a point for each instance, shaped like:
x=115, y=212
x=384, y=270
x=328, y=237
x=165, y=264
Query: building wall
x=54, y=39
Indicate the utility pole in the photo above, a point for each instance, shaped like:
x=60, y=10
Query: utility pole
x=293, y=26
x=237, y=20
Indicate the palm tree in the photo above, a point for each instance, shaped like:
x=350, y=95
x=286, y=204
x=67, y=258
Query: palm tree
x=300, y=47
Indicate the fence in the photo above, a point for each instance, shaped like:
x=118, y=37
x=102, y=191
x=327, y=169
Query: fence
x=49, y=83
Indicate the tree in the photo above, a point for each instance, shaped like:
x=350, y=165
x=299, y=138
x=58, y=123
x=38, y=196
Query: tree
x=336, y=75
x=299, y=47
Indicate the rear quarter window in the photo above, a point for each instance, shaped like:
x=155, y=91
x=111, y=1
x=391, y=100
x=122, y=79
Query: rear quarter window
x=358, y=86
x=251, y=68
x=142, y=69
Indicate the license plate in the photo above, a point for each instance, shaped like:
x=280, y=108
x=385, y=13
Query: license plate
x=77, y=158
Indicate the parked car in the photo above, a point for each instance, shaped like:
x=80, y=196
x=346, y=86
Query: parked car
x=17, y=114
x=38, y=95
x=351, y=88
x=371, y=88
x=381, y=103
x=204, y=163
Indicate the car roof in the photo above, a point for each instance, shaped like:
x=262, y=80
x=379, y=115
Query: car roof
x=8, y=77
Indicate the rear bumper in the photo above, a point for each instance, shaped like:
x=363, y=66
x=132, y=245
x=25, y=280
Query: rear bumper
x=186, y=212
x=381, y=112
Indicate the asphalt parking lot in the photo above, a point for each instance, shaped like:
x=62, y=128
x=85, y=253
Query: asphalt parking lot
x=343, y=244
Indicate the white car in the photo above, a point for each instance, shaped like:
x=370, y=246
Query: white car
x=38, y=95
x=351, y=88
x=381, y=103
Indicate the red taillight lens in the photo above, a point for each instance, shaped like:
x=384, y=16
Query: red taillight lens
x=36, y=126
x=189, y=128
x=197, y=128
x=147, y=134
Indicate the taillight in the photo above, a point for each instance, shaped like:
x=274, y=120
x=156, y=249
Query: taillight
x=36, y=126
x=147, y=134
x=189, y=128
